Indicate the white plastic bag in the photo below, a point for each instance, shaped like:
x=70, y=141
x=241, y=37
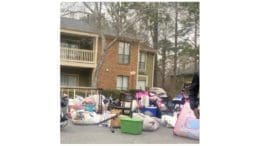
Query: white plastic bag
x=169, y=121
x=149, y=124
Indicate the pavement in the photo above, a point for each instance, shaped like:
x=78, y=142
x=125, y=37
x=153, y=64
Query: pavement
x=82, y=134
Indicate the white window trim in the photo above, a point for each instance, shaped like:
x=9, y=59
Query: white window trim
x=145, y=61
x=122, y=82
x=146, y=80
x=124, y=54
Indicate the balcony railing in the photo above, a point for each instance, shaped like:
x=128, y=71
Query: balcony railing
x=77, y=55
x=72, y=92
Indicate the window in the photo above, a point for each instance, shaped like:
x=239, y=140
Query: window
x=69, y=80
x=123, y=53
x=122, y=82
x=142, y=62
x=141, y=84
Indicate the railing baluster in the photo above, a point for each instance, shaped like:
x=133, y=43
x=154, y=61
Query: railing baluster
x=88, y=57
x=75, y=90
x=74, y=55
x=87, y=53
x=92, y=56
x=82, y=53
x=84, y=59
x=79, y=55
x=74, y=93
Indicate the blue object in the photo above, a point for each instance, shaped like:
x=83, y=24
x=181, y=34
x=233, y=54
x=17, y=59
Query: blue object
x=151, y=111
x=192, y=123
x=89, y=107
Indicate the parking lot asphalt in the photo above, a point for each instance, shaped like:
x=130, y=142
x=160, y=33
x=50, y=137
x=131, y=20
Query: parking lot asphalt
x=78, y=134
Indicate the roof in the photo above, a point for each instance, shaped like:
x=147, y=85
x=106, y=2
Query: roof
x=73, y=24
x=90, y=27
x=146, y=48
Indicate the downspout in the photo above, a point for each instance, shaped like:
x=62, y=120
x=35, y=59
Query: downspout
x=137, y=66
x=153, y=69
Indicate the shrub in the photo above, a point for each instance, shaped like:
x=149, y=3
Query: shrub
x=114, y=93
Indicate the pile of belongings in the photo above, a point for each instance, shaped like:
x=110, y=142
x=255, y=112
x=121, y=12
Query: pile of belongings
x=151, y=98
x=84, y=110
x=79, y=102
x=149, y=123
x=158, y=91
x=187, y=125
x=143, y=99
x=84, y=117
x=169, y=121
x=94, y=99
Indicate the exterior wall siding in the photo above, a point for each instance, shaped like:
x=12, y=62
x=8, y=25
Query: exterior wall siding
x=111, y=68
x=148, y=69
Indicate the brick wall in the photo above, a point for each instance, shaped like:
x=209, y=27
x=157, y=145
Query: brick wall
x=111, y=68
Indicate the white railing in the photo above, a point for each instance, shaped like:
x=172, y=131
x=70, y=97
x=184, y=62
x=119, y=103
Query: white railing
x=72, y=92
x=77, y=55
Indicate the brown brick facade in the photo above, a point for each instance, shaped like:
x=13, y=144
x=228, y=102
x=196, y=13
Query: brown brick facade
x=111, y=68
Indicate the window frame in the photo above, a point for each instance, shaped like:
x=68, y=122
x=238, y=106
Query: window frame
x=142, y=62
x=124, y=59
x=138, y=85
x=121, y=87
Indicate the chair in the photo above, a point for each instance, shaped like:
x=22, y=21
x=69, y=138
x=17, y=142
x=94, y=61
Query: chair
x=126, y=100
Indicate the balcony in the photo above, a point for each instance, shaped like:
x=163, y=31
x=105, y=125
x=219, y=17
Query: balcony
x=77, y=57
x=72, y=92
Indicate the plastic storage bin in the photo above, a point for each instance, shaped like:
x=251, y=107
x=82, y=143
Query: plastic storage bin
x=151, y=111
x=131, y=125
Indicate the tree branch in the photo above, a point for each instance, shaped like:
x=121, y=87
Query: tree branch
x=73, y=12
x=86, y=5
x=111, y=43
x=125, y=26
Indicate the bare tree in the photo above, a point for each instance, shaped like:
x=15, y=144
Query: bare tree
x=96, y=9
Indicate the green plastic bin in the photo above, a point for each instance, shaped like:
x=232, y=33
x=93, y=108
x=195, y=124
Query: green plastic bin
x=131, y=125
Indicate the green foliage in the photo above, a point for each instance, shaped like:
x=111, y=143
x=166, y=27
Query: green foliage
x=132, y=91
x=166, y=44
x=179, y=85
x=114, y=93
x=188, y=50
